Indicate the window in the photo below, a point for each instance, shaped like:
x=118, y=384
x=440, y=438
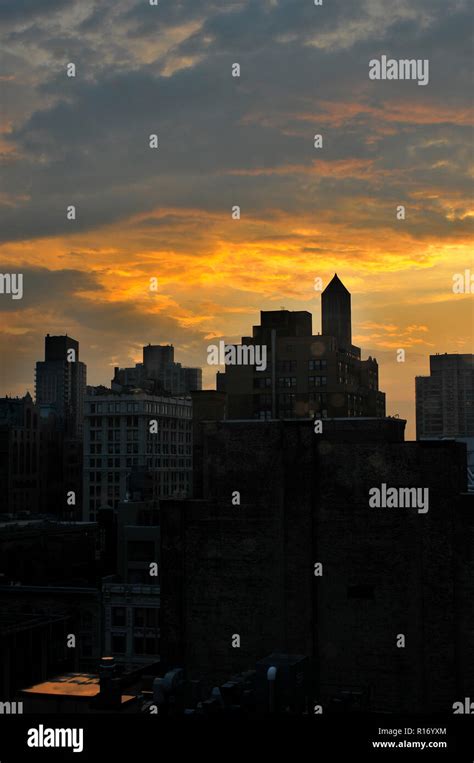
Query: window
x=317, y=365
x=260, y=382
x=287, y=381
x=118, y=615
x=146, y=645
x=146, y=617
x=317, y=381
x=119, y=643
x=286, y=365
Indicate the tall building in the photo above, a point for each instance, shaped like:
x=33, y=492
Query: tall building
x=132, y=601
x=119, y=437
x=61, y=383
x=159, y=366
x=445, y=398
x=19, y=455
x=445, y=403
x=306, y=375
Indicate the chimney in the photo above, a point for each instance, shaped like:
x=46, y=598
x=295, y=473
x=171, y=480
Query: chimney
x=110, y=695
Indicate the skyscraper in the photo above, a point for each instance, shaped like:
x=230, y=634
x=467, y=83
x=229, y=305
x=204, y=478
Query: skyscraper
x=61, y=382
x=445, y=404
x=445, y=399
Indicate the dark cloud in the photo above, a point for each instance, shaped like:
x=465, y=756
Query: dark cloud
x=89, y=146
x=23, y=10
x=40, y=284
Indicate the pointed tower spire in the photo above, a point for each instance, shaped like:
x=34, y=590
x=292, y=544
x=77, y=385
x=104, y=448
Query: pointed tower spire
x=336, y=313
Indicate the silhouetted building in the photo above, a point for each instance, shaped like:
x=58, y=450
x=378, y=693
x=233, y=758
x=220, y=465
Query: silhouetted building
x=445, y=398
x=306, y=375
x=159, y=366
x=61, y=382
x=60, y=473
x=125, y=432
x=19, y=455
x=44, y=552
x=336, y=314
x=208, y=405
x=32, y=645
x=445, y=404
x=286, y=553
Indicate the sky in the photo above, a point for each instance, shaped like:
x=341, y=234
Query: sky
x=166, y=213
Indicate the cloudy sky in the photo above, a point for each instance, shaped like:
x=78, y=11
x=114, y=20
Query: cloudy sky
x=165, y=213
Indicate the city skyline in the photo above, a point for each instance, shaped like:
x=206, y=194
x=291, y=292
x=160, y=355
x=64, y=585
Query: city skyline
x=166, y=213
x=104, y=378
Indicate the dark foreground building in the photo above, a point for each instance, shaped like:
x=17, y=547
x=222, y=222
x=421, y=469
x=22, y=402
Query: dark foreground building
x=19, y=455
x=285, y=554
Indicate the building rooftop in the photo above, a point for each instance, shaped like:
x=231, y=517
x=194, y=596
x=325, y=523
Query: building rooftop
x=75, y=685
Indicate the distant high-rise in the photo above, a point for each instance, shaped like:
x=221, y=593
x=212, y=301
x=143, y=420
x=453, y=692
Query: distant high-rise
x=445, y=399
x=445, y=404
x=159, y=366
x=61, y=382
x=306, y=375
x=336, y=313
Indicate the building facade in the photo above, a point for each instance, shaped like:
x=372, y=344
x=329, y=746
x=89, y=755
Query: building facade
x=125, y=432
x=132, y=622
x=305, y=565
x=445, y=398
x=19, y=455
x=61, y=383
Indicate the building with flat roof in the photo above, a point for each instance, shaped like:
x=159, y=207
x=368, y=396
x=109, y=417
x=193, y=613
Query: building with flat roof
x=82, y=693
x=129, y=431
x=445, y=398
x=445, y=404
x=61, y=382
